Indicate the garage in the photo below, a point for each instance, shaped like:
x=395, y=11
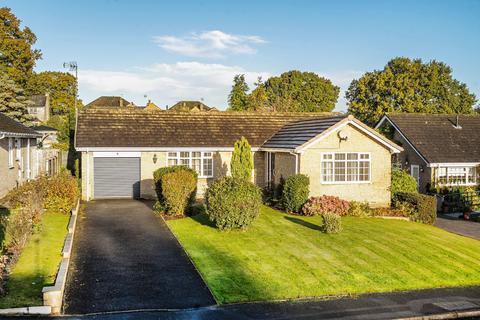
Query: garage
x=116, y=177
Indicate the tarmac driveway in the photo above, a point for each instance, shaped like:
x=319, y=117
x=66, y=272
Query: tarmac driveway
x=124, y=258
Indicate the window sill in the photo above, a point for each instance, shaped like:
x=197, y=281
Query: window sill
x=346, y=182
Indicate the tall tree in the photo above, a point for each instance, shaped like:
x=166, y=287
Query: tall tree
x=406, y=85
x=258, y=99
x=237, y=99
x=301, y=92
x=60, y=85
x=241, y=164
x=17, y=56
x=13, y=102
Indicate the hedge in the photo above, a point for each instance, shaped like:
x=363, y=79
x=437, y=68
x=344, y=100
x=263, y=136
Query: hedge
x=177, y=190
x=424, y=207
x=158, y=176
x=402, y=182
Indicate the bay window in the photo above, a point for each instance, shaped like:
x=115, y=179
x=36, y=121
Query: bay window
x=345, y=167
x=201, y=162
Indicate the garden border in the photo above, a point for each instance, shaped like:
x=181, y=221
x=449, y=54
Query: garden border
x=53, y=295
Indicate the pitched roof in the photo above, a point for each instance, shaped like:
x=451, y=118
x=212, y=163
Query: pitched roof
x=191, y=106
x=43, y=128
x=109, y=102
x=39, y=100
x=436, y=137
x=139, y=128
x=299, y=132
x=10, y=127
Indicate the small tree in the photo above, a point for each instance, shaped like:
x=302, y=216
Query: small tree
x=242, y=160
x=13, y=102
x=402, y=182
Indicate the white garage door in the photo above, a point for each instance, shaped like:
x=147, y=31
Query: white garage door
x=116, y=177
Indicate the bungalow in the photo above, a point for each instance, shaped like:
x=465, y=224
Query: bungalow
x=439, y=150
x=17, y=154
x=342, y=156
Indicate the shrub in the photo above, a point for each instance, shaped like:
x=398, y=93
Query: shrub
x=332, y=223
x=325, y=204
x=158, y=177
x=295, y=192
x=424, y=208
x=402, y=182
x=233, y=203
x=177, y=189
x=61, y=192
x=241, y=164
x=359, y=209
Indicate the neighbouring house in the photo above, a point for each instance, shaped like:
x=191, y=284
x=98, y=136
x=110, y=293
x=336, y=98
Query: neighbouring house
x=122, y=148
x=40, y=109
x=48, y=157
x=440, y=150
x=191, y=106
x=18, y=144
x=110, y=102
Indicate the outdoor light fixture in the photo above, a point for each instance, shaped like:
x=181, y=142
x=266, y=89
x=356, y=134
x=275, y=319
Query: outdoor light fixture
x=155, y=158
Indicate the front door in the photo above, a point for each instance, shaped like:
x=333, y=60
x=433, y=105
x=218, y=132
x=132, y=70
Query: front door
x=415, y=172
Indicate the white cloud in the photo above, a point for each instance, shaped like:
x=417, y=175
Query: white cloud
x=211, y=44
x=166, y=83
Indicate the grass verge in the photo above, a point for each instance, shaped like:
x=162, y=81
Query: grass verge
x=38, y=263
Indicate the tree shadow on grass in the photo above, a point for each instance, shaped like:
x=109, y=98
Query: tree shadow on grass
x=203, y=220
x=304, y=223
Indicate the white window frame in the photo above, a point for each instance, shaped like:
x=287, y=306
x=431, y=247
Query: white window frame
x=448, y=183
x=417, y=178
x=369, y=160
x=203, y=157
x=11, y=153
x=18, y=148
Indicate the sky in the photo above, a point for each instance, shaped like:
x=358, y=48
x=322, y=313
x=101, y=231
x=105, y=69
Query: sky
x=166, y=51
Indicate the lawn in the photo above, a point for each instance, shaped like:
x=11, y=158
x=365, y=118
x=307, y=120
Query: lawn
x=38, y=263
x=286, y=257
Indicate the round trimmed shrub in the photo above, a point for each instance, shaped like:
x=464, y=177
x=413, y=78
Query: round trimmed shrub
x=158, y=176
x=332, y=223
x=233, y=203
x=177, y=189
x=295, y=192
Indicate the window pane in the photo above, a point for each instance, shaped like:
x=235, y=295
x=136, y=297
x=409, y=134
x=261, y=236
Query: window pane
x=172, y=162
x=196, y=154
x=365, y=156
x=352, y=156
x=339, y=156
x=352, y=171
x=339, y=170
x=364, y=171
x=207, y=154
x=471, y=175
x=196, y=165
x=327, y=156
x=207, y=167
x=327, y=171
x=172, y=154
x=184, y=154
x=185, y=162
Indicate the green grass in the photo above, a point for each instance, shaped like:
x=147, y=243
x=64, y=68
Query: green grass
x=287, y=257
x=38, y=263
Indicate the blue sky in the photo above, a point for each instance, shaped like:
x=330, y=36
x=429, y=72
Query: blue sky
x=188, y=50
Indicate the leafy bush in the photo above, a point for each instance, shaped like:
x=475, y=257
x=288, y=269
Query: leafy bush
x=424, y=208
x=402, y=182
x=359, y=209
x=177, y=189
x=295, y=192
x=61, y=193
x=158, y=177
x=332, y=223
x=233, y=203
x=325, y=204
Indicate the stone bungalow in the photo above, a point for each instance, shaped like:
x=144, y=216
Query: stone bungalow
x=342, y=156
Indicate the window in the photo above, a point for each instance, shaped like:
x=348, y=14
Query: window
x=18, y=147
x=348, y=167
x=11, y=154
x=456, y=176
x=201, y=162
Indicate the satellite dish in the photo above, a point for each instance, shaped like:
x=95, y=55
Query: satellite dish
x=343, y=135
